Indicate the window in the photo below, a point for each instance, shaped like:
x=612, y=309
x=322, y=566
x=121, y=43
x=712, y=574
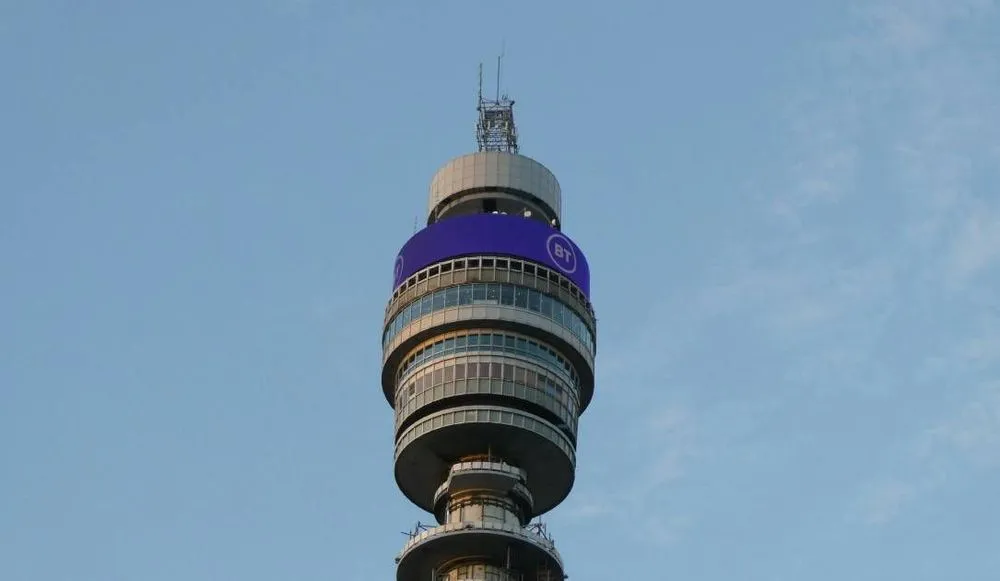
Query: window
x=465, y=295
x=507, y=295
x=534, y=301
x=496, y=293
x=521, y=297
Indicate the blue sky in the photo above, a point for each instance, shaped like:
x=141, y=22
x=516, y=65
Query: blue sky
x=790, y=210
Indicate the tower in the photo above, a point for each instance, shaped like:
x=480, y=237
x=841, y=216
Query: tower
x=488, y=343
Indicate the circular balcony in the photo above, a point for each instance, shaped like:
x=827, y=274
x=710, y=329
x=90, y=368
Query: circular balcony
x=489, y=542
x=426, y=450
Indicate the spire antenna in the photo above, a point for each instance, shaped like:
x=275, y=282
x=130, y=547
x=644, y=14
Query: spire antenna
x=495, y=129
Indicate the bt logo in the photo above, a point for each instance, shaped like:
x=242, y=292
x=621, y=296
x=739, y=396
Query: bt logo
x=562, y=253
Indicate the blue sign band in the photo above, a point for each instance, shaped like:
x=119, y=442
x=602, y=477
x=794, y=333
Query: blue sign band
x=498, y=234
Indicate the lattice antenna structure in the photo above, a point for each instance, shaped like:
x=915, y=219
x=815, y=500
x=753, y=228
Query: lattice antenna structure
x=495, y=129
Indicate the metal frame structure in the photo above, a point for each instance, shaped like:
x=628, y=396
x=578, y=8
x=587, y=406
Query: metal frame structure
x=495, y=129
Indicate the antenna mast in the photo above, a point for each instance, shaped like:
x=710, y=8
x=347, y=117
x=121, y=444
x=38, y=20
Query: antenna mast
x=495, y=130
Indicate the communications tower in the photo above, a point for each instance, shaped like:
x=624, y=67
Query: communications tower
x=488, y=345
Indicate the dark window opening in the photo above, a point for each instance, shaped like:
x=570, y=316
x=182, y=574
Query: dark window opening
x=489, y=205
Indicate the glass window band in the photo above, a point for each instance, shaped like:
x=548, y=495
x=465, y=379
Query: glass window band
x=492, y=294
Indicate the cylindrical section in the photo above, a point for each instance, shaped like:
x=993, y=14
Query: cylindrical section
x=473, y=571
x=520, y=179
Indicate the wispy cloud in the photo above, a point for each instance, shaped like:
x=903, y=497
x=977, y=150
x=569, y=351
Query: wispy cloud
x=885, y=221
x=973, y=431
x=931, y=86
x=880, y=225
x=882, y=501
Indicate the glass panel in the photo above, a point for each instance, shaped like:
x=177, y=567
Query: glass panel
x=425, y=305
x=438, y=300
x=507, y=295
x=493, y=292
x=465, y=294
x=521, y=298
x=461, y=341
x=449, y=373
x=451, y=297
x=534, y=300
x=460, y=371
x=479, y=292
x=473, y=370
x=509, y=341
x=546, y=304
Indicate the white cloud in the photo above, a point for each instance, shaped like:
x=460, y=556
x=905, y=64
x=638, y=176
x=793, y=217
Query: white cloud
x=973, y=432
x=881, y=502
x=976, y=245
